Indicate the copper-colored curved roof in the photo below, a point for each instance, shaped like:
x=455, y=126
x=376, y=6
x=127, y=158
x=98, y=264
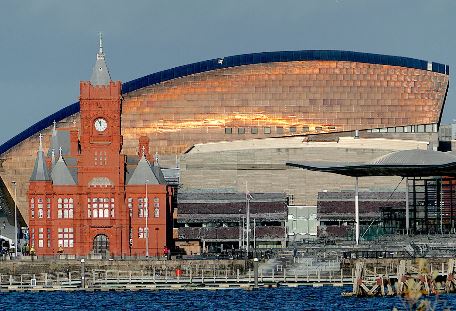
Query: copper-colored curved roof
x=235, y=61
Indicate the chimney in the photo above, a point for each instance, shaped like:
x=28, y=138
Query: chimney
x=74, y=141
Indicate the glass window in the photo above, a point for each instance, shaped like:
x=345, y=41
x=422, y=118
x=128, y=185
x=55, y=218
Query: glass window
x=428, y=128
x=267, y=130
x=318, y=128
x=156, y=212
x=228, y=130
x=293, y=129
x=254, y=130
x=391, y=130
x=279, y=130
x=241, y=130
x=305, y=128
x=420, y=128
x=399, y=129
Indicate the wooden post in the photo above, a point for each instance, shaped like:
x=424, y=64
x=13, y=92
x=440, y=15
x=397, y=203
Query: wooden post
x=285, y=275
x=153, y=276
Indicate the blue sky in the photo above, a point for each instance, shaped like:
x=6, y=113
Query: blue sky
x=48, y=46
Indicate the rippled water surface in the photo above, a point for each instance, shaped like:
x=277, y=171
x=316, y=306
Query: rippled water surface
x=302, y=298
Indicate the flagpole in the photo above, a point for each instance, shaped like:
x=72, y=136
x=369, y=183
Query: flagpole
x=247, y=218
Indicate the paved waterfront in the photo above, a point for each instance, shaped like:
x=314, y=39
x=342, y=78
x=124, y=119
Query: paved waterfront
x=303, y=298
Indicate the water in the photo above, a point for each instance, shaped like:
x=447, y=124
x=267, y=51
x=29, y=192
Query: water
x=302, y=298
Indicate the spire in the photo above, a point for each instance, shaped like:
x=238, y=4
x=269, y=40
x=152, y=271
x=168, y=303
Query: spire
x=40, y=170
x=156, y=158
x=100, y=51
x=100, y=73
x=52, y=157
x=41, y=142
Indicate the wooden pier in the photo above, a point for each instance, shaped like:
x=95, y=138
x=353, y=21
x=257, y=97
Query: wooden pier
x=159, y=279
x=405, y=279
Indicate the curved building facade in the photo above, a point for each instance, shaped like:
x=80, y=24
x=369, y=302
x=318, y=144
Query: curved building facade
x=261, y=95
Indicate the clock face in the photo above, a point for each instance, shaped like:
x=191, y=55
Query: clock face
x=101, y=125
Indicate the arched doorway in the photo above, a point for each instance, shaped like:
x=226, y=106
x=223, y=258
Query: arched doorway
x=101, y=245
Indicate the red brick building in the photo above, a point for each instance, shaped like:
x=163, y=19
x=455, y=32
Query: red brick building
x=92, y=199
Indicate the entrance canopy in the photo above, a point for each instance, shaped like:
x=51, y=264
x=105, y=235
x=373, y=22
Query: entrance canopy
x=406, y=163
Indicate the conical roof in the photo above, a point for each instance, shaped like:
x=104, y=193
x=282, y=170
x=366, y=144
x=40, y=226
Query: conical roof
x=61, y=175
x=40, y=170
x=100, y=72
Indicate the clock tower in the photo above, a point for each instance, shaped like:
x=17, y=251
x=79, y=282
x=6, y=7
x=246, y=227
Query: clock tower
x=101, y=140
x=89, y=201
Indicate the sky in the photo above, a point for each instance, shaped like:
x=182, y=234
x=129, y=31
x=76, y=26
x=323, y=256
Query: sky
x=48, y=46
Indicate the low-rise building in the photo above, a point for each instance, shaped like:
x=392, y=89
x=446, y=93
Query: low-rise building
x=217, y=221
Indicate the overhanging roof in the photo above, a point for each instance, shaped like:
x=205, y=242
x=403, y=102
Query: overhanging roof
x=406, y=163
x=235, y=61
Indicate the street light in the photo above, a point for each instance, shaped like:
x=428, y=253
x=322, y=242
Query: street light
x=15, y=218
x=146, y=214
x=156, y=238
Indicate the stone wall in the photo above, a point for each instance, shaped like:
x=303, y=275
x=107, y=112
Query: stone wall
x=263, y=168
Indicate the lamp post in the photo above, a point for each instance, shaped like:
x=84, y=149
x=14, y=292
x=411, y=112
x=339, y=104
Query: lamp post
x=15, y=219
x=146, y=214
x=156, y=239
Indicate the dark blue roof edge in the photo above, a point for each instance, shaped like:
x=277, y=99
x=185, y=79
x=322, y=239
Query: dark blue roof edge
x=234, y=61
